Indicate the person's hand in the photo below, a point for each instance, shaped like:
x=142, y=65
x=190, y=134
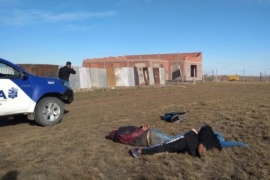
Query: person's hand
x=201, y=149
x=145, y=127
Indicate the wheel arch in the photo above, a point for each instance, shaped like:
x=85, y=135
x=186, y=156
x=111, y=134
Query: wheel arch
x=57, y=95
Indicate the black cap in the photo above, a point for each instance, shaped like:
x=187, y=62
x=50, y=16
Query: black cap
x=68, y=63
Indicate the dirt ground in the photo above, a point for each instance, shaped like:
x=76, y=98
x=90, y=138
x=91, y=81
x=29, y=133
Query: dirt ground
x=77, y=148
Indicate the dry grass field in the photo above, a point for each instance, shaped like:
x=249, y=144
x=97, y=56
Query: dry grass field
x=77, y=148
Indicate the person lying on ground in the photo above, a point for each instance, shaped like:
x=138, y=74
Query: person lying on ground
x=140, y=136
x=195, y=143
x=145, y=136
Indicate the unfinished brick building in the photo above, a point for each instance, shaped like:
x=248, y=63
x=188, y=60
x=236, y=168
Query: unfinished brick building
x=178, y=66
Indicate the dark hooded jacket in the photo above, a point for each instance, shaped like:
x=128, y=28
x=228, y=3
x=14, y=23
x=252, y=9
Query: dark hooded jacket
x=192, y=142
x=208, y=138
x=64, y=73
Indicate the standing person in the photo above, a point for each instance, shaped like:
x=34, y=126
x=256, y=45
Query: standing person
x=64, y=72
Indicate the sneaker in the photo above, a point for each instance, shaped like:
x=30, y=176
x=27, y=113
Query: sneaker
x=134, y=152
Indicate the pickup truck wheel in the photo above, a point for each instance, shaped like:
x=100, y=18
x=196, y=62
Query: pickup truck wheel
x=49, y=111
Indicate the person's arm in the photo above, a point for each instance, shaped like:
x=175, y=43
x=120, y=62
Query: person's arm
x=72, y=71
x=127, y=138
x=226, y=144
x=192, y=142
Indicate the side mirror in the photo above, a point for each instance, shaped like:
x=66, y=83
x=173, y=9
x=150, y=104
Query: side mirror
x=23, y=76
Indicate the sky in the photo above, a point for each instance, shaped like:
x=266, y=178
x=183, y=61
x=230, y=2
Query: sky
x=233, y=35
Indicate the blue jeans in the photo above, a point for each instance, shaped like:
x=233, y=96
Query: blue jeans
x=158, y=137
x=225, y=144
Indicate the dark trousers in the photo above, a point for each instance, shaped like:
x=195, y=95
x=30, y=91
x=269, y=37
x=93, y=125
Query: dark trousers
x=176, y=145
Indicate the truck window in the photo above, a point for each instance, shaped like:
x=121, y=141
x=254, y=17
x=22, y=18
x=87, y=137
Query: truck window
x=7, y=72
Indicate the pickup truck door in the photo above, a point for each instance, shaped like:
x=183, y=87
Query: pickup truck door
x=14, y=92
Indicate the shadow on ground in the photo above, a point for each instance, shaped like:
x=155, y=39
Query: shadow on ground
x=11, y=175
x=10, y=121
x=18, y=119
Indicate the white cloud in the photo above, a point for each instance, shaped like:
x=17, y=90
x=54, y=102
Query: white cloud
x=134, y=3
x=75, y=16
x=22, y=17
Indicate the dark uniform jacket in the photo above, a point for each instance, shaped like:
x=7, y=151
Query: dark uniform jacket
x=64, y=73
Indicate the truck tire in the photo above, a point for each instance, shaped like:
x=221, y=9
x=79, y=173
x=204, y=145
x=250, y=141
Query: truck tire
x=49, y=111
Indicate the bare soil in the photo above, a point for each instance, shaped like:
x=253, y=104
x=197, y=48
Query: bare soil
x=77, y=148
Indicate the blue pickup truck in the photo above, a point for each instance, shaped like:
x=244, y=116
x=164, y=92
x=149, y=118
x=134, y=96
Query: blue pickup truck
x=40, y=98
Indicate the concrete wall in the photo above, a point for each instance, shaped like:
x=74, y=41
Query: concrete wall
x=187, y=71
x=98, y=77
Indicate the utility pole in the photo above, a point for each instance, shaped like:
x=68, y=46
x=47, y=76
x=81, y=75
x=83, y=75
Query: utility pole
x=243, y=74
x=216, y=75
